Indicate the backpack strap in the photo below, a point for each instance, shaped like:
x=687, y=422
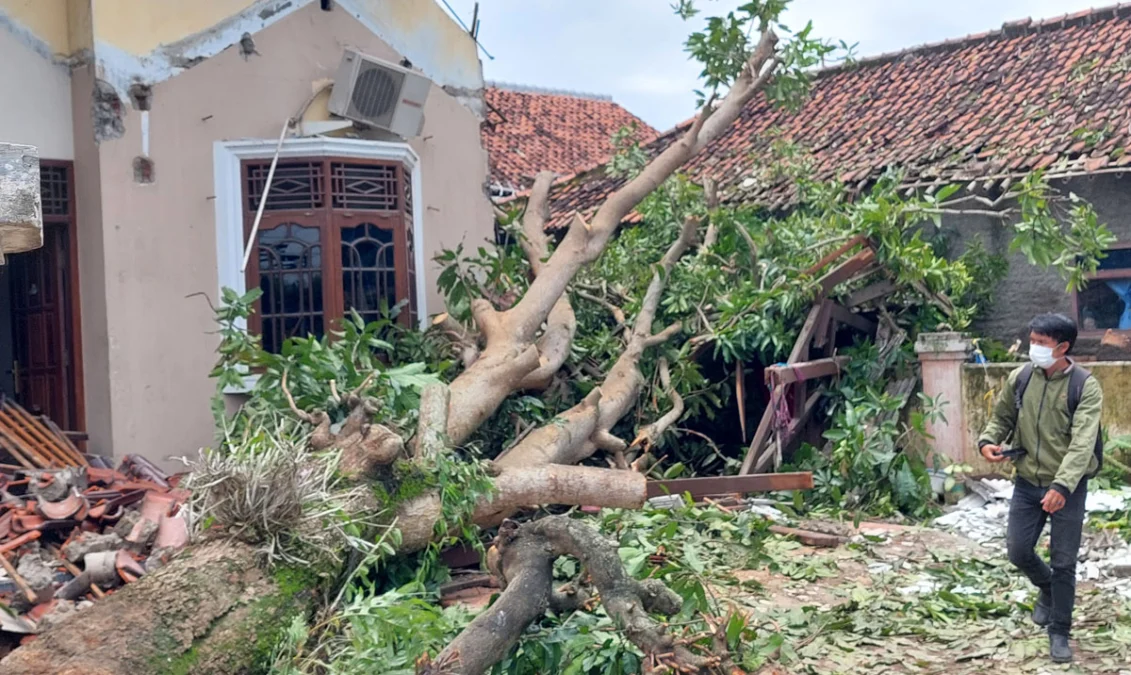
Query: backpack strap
x=1078, y=378
x=1022, y=384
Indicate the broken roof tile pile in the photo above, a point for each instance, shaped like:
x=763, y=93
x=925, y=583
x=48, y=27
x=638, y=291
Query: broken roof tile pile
x=1052, y=94
x=71, y=535
x=530, y=130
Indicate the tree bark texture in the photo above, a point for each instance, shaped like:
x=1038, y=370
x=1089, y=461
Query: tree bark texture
x=210, y=611
x=511, y=355
x=21, y=216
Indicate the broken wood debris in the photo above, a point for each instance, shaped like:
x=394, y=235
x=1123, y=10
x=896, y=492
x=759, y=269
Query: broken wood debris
x=790, y=402
x=33, y=442
x=69, y=535
x=723, y=485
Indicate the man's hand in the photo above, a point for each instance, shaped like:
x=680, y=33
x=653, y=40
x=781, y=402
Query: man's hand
x=1053, y=501
x=992, y=453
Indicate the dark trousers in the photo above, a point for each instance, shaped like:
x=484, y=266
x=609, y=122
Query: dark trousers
x=1026, y=521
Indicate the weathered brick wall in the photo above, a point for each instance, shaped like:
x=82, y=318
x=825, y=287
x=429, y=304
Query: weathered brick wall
x=1029, y=290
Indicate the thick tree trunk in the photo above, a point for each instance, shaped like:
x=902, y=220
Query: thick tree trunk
x=210, y=611
x=21, y=220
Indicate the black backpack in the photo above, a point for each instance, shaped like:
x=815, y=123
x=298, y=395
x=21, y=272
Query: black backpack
x=1078, y=377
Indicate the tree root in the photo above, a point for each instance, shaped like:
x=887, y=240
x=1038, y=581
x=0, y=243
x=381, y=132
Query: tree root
x=525, y=555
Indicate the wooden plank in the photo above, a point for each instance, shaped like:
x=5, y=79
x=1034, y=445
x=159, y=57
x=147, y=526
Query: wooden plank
x=759, y=440
x=28, y=446
x=725, y=485
x=799, y=372
x=824, y=262
x=801, y=347
x=799, y=422
x=876, y=291
x=851, y=318
x=45, y=435
x=848, y=269
x=16, y=452
x=32, y=438
x=64, y=440
x=823, y=336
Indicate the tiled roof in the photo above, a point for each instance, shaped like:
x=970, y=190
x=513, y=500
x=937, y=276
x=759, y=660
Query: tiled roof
x=1050, y=94
x=530, y=130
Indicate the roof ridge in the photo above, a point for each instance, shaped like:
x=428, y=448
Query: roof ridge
x=547, y=91
x=1026, y=26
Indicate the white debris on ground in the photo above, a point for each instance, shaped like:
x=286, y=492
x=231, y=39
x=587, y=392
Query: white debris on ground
x=982, y=516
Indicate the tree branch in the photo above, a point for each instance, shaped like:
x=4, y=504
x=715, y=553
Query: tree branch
x=526, y=554
x=505, y=363
x=432, y=423
x=711, y=192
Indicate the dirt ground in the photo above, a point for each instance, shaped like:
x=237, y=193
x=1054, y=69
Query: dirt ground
x=917, y=600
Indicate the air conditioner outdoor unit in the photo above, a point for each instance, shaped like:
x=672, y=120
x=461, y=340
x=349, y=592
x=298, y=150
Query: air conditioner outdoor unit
x=380, y=94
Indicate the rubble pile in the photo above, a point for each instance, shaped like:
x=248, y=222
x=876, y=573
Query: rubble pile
x=1105, y=558
x=69, y=536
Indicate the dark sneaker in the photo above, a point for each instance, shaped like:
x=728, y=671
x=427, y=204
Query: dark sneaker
x=1042, y=611
x=1059, y=649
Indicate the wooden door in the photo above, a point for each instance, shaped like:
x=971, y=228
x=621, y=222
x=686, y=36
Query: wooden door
x=40, y=327
x=46, y=335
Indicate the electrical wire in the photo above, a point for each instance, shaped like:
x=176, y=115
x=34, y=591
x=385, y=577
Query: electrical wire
x=455, y=15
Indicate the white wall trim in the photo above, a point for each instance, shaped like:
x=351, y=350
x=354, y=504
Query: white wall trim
x=228, y=188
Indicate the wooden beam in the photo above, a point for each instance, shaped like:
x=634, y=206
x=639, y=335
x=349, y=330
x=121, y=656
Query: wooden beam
x=777, y=376
x=21, y=219
x=824, y=262
x=790, y=435
x=851, y=318
x=760, y=438
x=801, y=347
x=823, y=336
x=725, y=485
x=848, y=269
x=878, y=290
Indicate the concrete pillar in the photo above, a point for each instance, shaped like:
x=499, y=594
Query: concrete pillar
x=941, y=356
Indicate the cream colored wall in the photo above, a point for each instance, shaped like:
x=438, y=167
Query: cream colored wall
x=92, y=269
x=45, y=19
x=160, y=239
x=36, y=108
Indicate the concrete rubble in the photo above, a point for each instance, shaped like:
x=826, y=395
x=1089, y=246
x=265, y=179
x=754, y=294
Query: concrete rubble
x=1105, y=558
x=71, y=535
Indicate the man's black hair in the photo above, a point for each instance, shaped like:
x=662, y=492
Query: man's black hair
x=1057, y=327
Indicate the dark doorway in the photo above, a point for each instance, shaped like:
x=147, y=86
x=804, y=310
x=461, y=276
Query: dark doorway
x=45, y=373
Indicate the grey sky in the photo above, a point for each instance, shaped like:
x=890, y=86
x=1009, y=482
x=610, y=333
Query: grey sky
x=633, y=49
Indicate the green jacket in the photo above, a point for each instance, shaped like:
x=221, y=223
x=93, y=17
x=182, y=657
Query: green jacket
x=1059, y=450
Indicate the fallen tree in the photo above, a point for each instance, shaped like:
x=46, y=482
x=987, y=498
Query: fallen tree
x=524, y=345
x=326, y=486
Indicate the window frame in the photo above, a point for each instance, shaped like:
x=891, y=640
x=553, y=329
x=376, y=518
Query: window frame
x=228, y=158
x=330, y=219
x=1101, y=275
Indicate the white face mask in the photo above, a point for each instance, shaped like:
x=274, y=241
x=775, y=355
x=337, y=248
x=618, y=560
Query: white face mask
x=1041, y=356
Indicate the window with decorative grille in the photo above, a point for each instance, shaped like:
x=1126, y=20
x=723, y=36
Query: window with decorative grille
x=336, y=235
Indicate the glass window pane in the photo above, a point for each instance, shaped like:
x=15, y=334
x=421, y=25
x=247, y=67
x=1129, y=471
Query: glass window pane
x=290, y=274
x=1105, y=305
x=368, y=270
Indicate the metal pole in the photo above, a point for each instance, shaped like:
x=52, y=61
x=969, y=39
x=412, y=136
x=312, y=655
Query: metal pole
x=263, y=197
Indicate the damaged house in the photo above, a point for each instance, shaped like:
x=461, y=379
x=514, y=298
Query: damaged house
x=157, y=125
x=981, y=111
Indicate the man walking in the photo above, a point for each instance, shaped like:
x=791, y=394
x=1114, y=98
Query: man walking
x=1050, y=411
